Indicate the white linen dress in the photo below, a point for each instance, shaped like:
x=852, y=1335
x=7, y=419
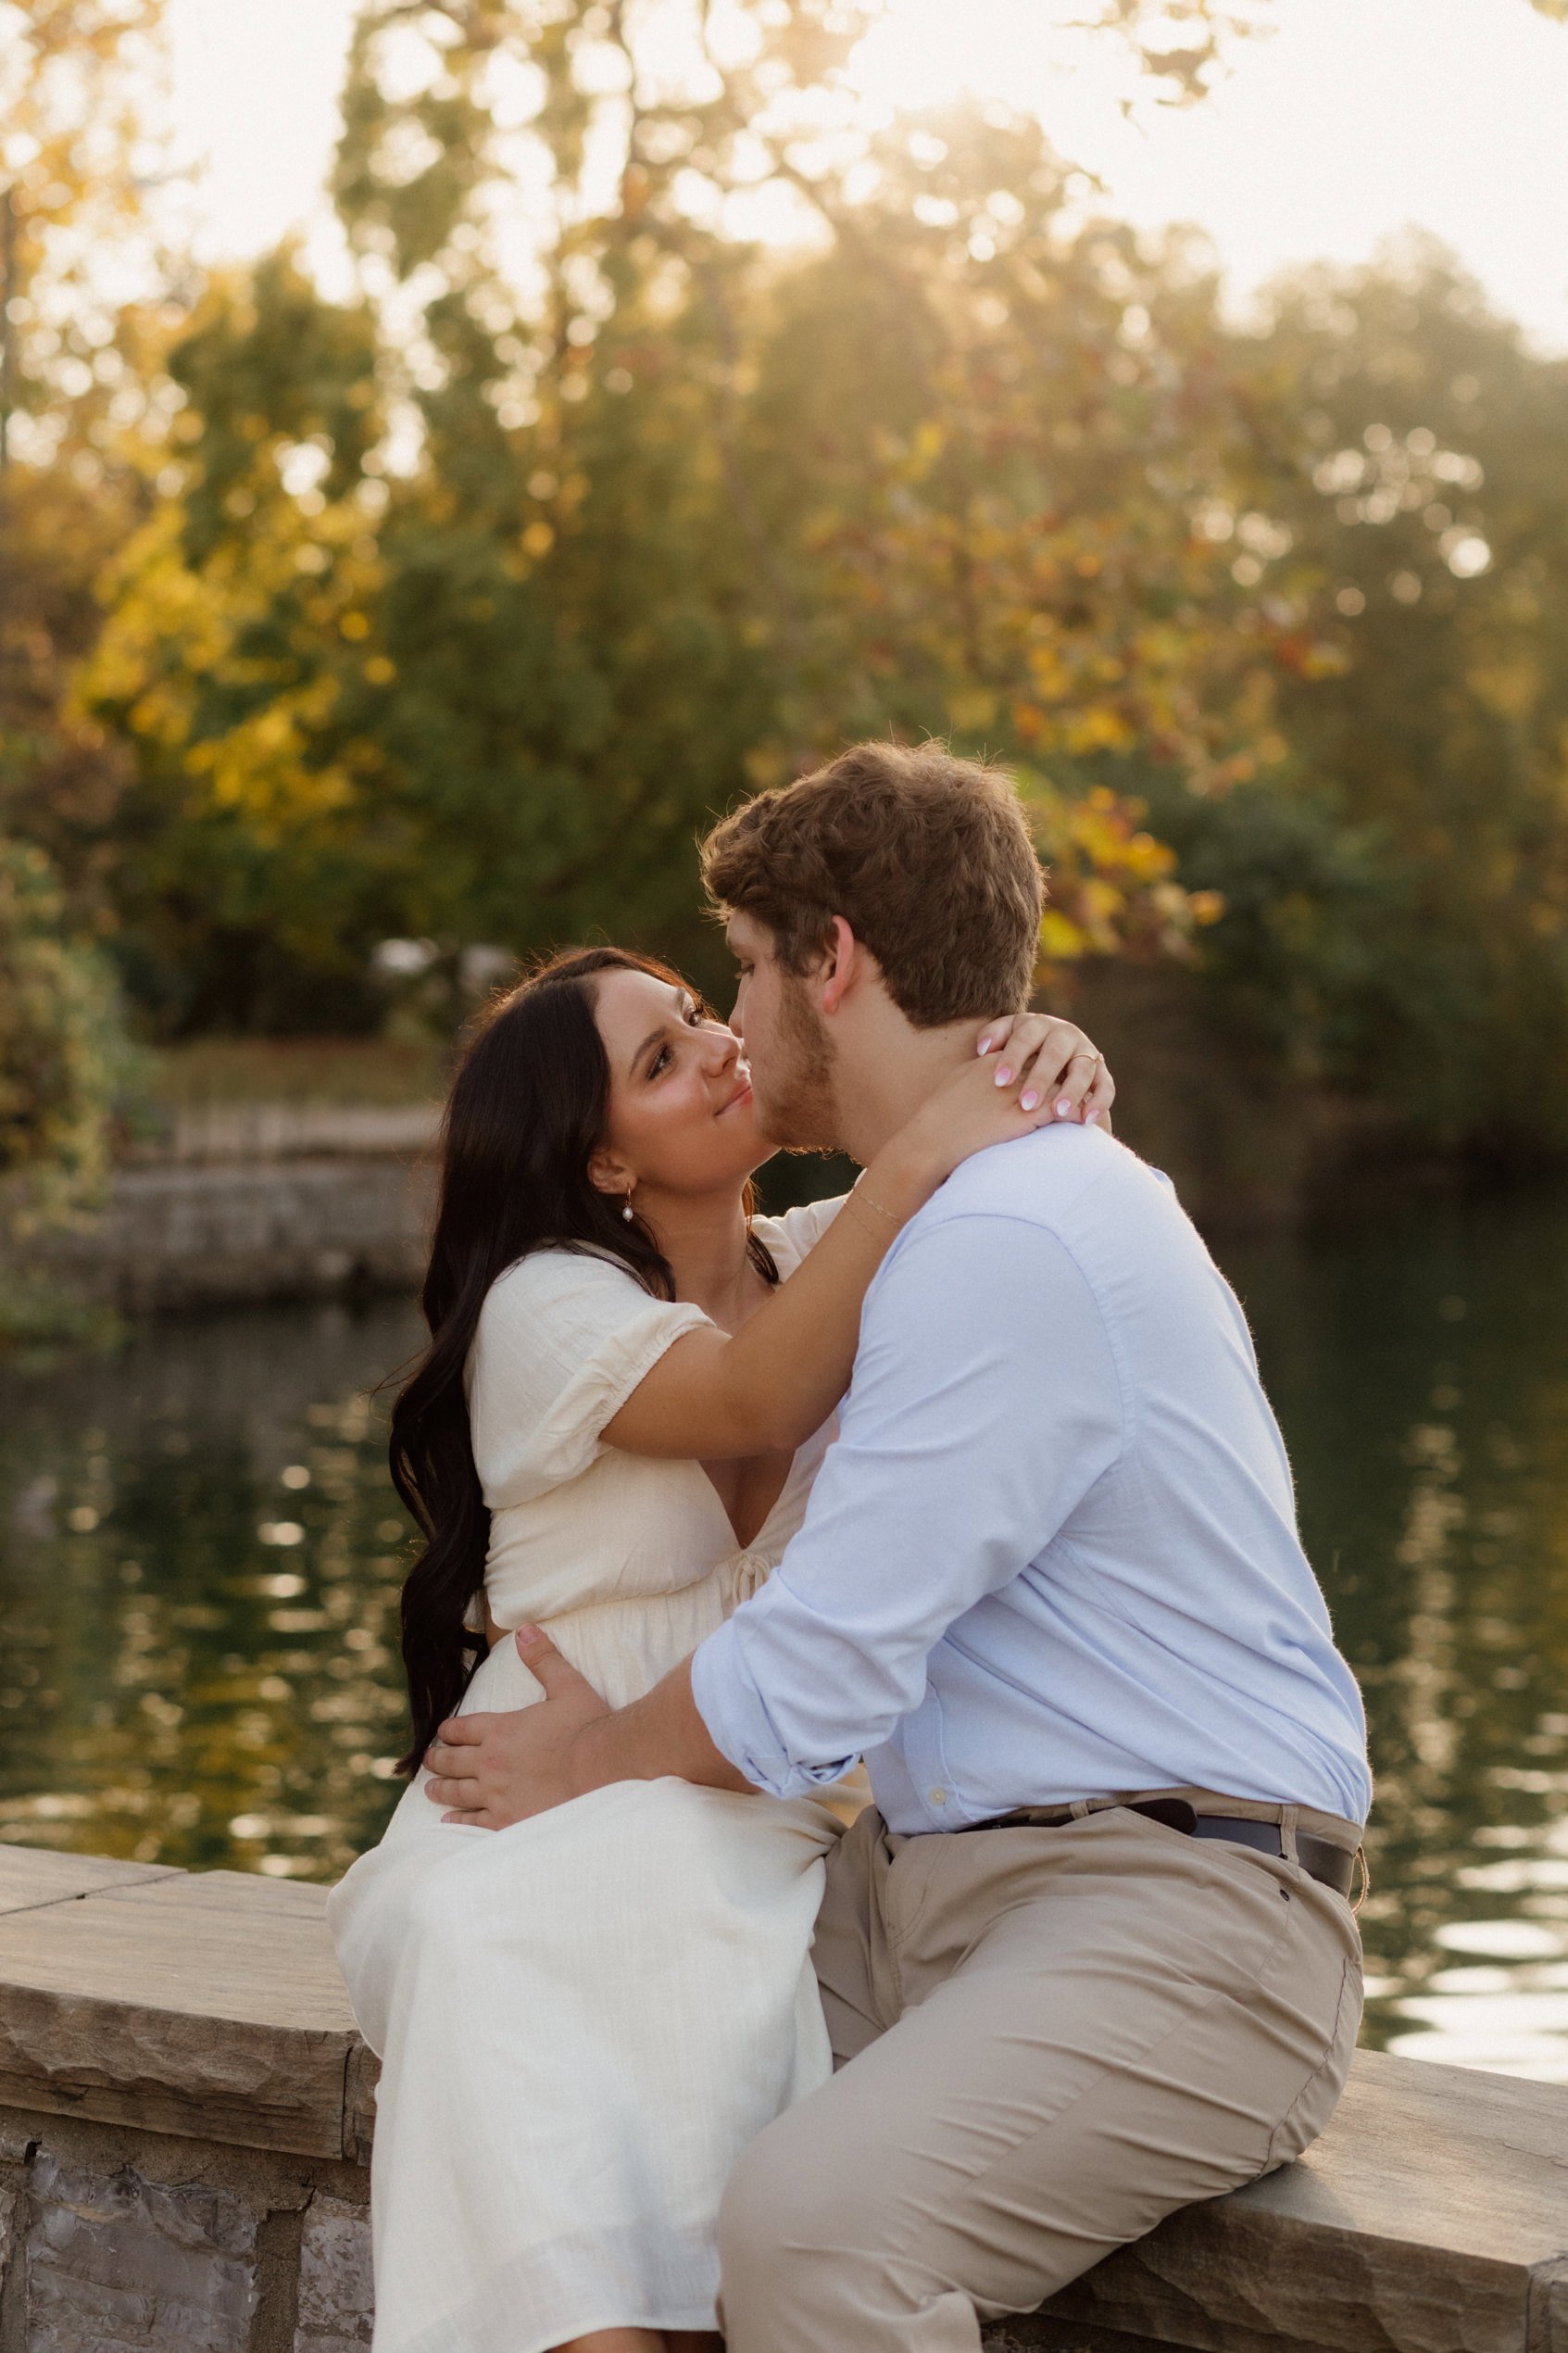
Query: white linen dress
x=582, y=2020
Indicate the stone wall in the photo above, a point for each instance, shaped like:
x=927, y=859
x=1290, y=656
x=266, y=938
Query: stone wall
x=126, y=2242
x=186, y=2114
x=188, y=1234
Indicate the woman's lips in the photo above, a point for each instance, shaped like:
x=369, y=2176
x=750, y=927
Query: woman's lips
x=741, y=1095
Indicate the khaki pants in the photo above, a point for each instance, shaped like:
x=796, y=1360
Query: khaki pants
x=1047, y=2040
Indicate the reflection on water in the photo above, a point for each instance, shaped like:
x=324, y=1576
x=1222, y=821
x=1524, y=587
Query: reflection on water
x=1421, y=1372
x=199, y=1557
x=201, y=1560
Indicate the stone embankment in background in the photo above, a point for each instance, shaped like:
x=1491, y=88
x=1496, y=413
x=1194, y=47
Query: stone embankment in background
x=251, y=1199
x=244, y=1202
x=186, y=2114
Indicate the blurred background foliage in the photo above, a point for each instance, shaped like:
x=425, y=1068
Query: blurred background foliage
x=449, y=612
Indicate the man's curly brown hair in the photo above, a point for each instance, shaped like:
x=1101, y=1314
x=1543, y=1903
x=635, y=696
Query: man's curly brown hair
x=927, y=857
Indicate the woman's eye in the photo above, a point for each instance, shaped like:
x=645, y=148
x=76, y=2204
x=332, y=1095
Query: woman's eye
x=659, y=1062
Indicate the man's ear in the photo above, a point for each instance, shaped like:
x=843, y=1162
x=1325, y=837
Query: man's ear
x=842, y=966
x=608, y=1173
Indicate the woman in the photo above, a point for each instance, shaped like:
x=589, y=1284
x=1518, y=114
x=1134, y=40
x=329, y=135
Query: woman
x=629, y=1383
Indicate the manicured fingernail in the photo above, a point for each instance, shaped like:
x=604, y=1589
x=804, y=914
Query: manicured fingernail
x=1090, y=1117
x=1004, y=1076
x=1028, y=1100
x=528, y=1634
x=1063, y=1105
x=984, y=1046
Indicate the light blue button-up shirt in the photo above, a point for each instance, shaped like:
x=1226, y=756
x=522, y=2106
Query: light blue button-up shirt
x=1053, y=1554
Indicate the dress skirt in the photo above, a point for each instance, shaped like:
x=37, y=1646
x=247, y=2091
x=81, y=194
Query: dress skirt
x=583, y=2020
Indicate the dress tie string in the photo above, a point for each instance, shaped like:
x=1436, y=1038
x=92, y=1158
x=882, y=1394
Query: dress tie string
x=749, y=1571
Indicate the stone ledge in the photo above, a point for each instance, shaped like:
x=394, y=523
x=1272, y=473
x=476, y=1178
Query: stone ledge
x=1431, y=2217
x=31, y=1877
x=204, y=2004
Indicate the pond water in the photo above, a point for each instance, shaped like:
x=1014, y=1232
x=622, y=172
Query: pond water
x=199, y=1559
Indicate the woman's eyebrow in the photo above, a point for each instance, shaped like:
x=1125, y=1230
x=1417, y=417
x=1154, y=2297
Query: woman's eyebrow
x=681, y=1006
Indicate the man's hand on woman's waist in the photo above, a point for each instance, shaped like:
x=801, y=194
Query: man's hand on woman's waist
x=489, y=1770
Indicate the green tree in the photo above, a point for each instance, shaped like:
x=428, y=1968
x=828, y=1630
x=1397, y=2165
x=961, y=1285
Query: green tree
x=73, y=158
x=66, y=1066
x=62, y=1052
x=472, y=598
x=236, y=661
x=76, y=160
x=79, y=384
x=62, y=775
x=626, y=548
x=1398, y=891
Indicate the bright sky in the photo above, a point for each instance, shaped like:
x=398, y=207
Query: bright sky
x=1355, y=119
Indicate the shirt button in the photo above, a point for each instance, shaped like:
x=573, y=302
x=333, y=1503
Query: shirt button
x=937, y=1796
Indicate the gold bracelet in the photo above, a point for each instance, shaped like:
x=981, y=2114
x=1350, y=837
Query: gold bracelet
x=857, y=1194
x=863, y=1222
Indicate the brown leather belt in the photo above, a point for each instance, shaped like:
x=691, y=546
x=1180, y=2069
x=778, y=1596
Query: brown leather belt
x=1332, y=1866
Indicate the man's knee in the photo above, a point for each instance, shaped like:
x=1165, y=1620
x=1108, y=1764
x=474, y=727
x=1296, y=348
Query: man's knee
x=805, y=2241
x=781, y=2229
x=758, y=2221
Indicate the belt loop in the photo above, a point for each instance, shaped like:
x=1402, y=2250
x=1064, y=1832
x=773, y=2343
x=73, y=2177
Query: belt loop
x=1287, y=1833
x=1080, y=1807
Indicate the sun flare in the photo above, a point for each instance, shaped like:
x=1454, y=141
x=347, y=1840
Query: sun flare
x=923, y=53
x=1344, y=125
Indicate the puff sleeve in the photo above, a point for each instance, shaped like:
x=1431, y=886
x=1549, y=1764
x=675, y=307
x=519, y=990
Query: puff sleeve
x=563, y=1339
x=789, y=1236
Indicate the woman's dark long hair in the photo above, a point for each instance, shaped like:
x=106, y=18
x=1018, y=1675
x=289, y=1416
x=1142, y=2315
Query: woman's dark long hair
x=528, y=1109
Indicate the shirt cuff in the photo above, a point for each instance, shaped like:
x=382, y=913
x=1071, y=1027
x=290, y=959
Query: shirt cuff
x=738, y=1723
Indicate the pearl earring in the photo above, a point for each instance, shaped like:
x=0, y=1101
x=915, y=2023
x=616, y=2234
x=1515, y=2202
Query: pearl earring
x=628, y=1213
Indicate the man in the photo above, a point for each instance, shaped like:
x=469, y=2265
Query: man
x=1090, y=1957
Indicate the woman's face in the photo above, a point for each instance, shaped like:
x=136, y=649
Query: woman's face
x=681, y=1117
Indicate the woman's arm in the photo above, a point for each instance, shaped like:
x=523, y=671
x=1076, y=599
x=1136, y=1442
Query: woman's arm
x=766, y=1387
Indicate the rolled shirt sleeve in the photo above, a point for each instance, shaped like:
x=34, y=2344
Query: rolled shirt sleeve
x=985, y=1405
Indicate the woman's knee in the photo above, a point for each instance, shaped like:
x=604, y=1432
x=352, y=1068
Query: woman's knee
x=410, y=1913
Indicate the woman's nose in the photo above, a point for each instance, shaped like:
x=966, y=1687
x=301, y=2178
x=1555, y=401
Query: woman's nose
x=724, y=1048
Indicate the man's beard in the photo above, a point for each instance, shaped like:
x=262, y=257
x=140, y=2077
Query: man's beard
x=795, y=1104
